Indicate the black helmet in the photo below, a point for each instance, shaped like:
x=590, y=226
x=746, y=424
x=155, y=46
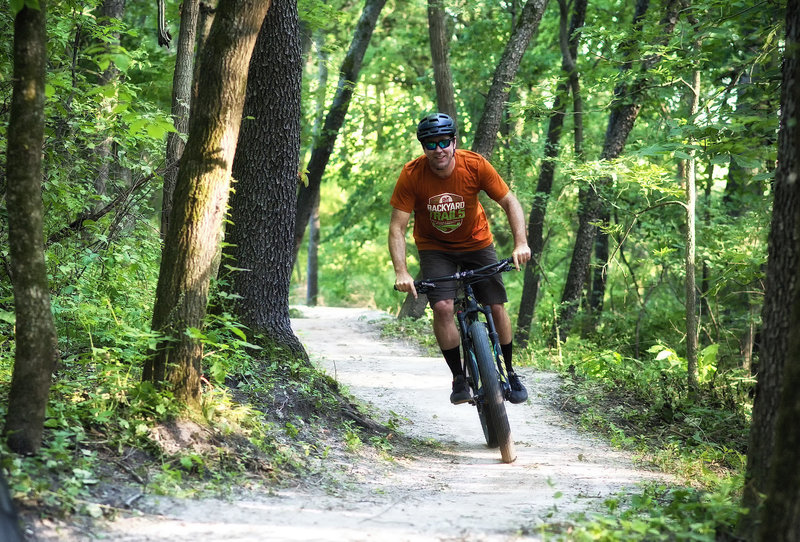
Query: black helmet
x=436, y=124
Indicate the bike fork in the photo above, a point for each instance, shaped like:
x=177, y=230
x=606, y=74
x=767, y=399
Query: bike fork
x=469, y=362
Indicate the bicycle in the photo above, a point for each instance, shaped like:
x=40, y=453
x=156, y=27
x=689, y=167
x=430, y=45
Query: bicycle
x=483, y=362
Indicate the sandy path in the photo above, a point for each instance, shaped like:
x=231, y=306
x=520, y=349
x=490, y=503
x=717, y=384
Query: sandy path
x=459, y=492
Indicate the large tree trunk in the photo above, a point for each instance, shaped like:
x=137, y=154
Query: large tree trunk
x=181, y=102
x=492, y=117
x=201, y=196
x=36, y=349
x=261, y=232
x=308, y=195
x=773, y=444
x=624, y=110
x=568, y=40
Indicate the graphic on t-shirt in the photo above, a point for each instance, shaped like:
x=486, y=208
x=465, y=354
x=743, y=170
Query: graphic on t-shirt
x=446, y=212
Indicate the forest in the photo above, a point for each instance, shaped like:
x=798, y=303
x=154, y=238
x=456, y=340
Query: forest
x=178, y=177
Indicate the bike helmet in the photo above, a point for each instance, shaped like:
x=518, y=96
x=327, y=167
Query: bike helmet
x=436, y=124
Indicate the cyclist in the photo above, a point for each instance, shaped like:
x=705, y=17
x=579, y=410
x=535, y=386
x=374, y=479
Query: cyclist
x=452, y=233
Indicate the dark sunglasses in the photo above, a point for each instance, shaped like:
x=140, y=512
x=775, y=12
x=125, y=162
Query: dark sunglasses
x=431, y=145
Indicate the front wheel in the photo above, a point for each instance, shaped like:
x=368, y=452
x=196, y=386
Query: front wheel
x=495, y=420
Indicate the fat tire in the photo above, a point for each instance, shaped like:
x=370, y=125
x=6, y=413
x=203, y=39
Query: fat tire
x=488, y=429
x=496, y=420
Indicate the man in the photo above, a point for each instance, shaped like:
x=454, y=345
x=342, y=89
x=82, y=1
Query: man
x=451, y=232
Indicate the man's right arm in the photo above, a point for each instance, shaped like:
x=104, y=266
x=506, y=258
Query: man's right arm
x=398, y=225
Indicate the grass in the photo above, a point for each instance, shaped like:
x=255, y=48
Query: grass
x=641, y=406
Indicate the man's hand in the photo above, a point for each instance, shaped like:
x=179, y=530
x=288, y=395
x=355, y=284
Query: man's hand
x=521, y=255
x=405, y=283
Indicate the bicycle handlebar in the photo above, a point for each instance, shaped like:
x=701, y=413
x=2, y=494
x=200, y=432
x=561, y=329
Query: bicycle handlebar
x=470, y=276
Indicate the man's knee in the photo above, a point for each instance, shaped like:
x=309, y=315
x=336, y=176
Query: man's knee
x=443, y=308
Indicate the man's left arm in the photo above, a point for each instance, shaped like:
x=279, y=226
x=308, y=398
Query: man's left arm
x=516, y=220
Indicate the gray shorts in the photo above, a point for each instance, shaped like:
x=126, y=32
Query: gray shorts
x=440, y=263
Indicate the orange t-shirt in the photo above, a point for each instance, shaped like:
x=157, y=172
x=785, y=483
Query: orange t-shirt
x=447, y=212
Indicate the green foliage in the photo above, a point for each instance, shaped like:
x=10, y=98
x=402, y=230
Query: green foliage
x=103, y=277
x=661, y=513
x=97, y=406
x=643, y=405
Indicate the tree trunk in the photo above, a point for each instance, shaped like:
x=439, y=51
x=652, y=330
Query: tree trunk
x=201, y=196
x=323, y=147
x=489, y=124
x=36, y=348
x=691, y=283
x=181, y=102
x=312, y=266
x=568, y=40
x=773, y=444
x=440, y=56
x=597, y=293
x=205, y=18
x=261, y=233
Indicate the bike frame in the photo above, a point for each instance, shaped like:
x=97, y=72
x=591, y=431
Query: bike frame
x=468, y=310
x=483, y=362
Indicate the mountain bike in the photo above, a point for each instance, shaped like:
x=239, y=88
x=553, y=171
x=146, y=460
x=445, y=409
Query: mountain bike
x=483, y=359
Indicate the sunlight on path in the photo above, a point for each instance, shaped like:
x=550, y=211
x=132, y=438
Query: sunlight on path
x=456, y=489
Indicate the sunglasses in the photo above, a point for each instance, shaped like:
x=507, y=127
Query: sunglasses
x=431, y=145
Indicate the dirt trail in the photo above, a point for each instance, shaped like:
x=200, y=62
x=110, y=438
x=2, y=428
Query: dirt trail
x=459, y=491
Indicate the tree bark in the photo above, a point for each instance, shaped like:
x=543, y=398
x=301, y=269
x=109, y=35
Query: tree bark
x=181, y=103
x=312, y=276
x=568, y=40
x=201, y=196
x=36, y=348
x=261, y=233
x=691, y=280
x=348, y=75
x=205, y=18
x=440, y=56
x=492, y=117
x=772, y=460
x=312, y=267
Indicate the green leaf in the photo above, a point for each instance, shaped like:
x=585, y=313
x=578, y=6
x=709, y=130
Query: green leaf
x=721, y=159
x=122, y=62
x=195, y=333
x=137, y=125
x=238, y=332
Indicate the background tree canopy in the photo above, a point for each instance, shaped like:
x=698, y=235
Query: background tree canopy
x=108, y=115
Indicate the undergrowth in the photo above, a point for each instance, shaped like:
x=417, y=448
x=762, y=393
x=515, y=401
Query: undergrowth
x=109, y=438
x=643, y=406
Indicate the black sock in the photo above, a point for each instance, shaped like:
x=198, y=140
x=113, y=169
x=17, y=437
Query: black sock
x=453, y=359
x=507, y=349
